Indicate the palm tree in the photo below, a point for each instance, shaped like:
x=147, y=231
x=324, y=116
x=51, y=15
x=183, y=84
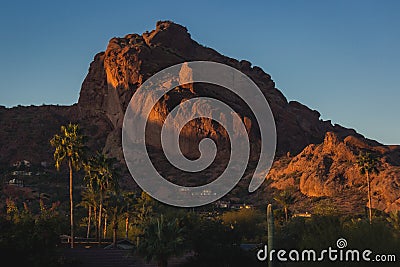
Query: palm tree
x=90, y=201
x=86, y=204
x=144, y=210
x=70, y=146
x=103, y=175
x=129, y=198
x=115, y=208
x=90, y=196
x=368, y=165
x=285, y=199
x=162, y=240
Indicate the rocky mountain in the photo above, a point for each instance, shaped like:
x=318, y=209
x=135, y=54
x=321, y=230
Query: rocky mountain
x=313, y=156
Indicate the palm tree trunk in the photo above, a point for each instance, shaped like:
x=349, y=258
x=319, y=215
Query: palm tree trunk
x=105, y=226
x=95, y=222
x=369, y=198
x=99, y=222
x=89, y=221
x=71, y=202
x=286, y=213
x=126, y=227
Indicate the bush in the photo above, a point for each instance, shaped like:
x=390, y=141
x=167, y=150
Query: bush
x=321, y=232
x=248, y=225
x=217, y=244
x=30, y=240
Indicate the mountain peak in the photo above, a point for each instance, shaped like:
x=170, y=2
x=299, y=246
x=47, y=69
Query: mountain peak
x=170, y=35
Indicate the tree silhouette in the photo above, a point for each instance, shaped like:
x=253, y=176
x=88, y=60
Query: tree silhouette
x=103, y=176
x=285, y=199
x=129, y=200
x=70, y=147
x=162, y=240
x=90, y=202
x=115, y=207
x=368, y=165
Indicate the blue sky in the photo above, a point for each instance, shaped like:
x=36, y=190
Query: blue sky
x=341, y=58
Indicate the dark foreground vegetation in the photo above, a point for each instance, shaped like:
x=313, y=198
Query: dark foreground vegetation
x=104, y=213
x=160, y=232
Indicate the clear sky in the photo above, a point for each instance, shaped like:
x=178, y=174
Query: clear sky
x=341, y=58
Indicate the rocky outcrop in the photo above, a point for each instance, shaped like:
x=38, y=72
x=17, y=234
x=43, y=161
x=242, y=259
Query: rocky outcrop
x=116, y=74
x=330, y=169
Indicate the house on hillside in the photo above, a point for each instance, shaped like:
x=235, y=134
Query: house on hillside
x=21, y=173
x=222, y=204
x=22, y=163
x=304, y=215
x=241, y=206
x=16, y=182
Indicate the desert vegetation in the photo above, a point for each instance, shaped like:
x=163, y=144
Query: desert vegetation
x=101, y=212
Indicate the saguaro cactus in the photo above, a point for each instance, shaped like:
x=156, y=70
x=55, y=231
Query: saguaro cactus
x=270, y=224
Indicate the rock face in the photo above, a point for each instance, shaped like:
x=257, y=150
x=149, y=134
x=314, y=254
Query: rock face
x=330, y=169
x=115, y=75
x=313, y=155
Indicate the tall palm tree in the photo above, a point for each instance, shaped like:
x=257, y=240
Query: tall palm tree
x=70, y=147
x=285, y=199
x=368, y=165
x=115, y=208
x=86, y=204
x=104, y=176
x=90, y=195
x=143, y=210
x=129, y=199
x=90, y=202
